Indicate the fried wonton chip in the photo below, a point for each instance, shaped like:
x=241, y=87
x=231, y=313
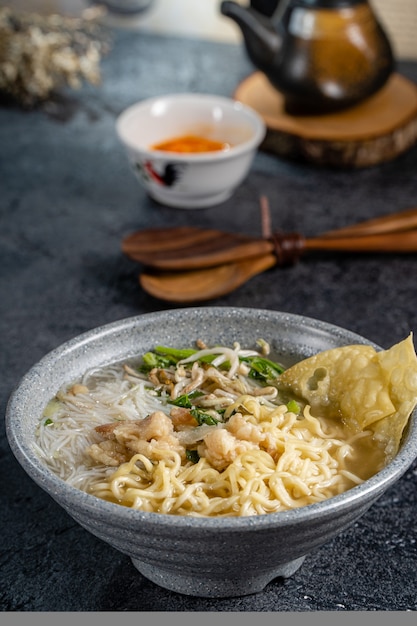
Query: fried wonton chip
x=362, y=387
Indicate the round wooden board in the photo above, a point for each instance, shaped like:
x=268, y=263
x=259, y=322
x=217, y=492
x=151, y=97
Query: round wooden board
x=377, y=130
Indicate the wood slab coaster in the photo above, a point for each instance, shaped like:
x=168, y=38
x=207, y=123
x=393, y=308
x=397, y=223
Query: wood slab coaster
x=378, y=129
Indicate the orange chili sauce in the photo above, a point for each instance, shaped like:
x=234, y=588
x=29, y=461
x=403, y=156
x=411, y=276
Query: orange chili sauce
x=190, y=143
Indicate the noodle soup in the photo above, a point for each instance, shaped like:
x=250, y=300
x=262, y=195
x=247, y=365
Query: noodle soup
x=201, y=432
x=221, y=554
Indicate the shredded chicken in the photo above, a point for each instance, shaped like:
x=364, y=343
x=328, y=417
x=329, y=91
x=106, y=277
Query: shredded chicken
x=161, y=378
x=221, y=448
x=147, y=436
x=242, y=429
x=109, y=453
x=235, y=386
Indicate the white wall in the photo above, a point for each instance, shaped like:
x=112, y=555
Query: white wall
x=194, y=18
x=202, y=18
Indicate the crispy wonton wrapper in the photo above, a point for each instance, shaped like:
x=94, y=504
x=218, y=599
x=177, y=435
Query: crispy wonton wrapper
x=365, y=388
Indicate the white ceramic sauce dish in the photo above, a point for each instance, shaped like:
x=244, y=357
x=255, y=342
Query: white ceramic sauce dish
x=190, y=180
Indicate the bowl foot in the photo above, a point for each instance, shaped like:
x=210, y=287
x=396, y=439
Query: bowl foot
x=215, y=586
x=190, y=202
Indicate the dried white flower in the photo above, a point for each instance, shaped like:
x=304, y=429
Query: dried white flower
x=40, y=54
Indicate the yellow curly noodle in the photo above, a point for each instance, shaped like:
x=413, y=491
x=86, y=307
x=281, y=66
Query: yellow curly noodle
x=308, y=461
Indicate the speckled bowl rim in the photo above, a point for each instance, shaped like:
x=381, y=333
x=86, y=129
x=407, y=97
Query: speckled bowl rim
x=243, y=112
x=115, y=513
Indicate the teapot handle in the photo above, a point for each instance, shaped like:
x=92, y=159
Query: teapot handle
x=265, y=7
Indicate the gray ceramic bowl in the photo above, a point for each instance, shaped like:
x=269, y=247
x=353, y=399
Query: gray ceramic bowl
x=204, y=557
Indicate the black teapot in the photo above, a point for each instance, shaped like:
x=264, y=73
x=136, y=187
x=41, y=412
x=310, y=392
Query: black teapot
x=322, y=55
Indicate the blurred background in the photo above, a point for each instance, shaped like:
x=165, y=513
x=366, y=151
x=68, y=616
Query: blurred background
x=201, y=18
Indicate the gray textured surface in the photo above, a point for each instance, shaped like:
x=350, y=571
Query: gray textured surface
x=67, y=199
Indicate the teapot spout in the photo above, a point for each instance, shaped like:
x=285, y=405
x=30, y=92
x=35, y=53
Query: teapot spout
x=263, y=42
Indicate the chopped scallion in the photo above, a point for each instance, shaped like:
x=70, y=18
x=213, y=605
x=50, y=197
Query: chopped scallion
x=293, y=407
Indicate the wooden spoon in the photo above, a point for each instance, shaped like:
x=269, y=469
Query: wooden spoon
x=187, y=248
x=394, y=222
x=212, y=282
x=204, y=284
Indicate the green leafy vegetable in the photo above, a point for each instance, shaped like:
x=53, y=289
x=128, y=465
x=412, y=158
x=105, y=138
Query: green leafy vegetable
x=185, y=400
x=192, y=455
x=175, y=353
x=178, y=354
x=164, y=357
x=151, y=360
x=203, y=418
x=263, y=369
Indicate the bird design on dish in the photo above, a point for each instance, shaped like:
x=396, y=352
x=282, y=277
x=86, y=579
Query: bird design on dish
x=168, y=175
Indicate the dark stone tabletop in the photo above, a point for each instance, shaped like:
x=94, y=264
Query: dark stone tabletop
x=68, y=197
